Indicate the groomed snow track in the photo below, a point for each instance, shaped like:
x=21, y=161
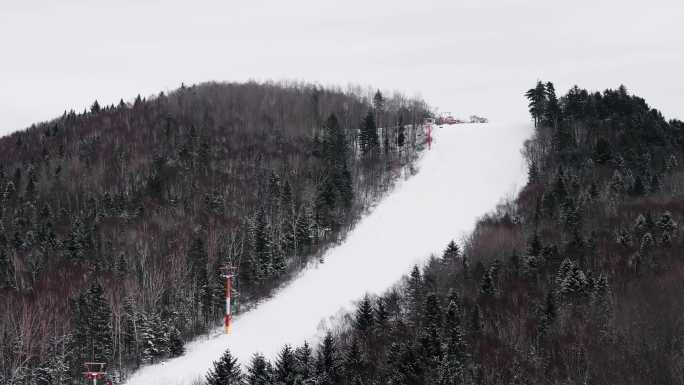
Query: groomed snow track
x=468, y=170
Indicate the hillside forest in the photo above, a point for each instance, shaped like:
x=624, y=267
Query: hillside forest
x=115, y=222
x=578, y=280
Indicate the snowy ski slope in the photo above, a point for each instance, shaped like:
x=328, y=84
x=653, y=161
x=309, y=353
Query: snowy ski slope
x=468, y=170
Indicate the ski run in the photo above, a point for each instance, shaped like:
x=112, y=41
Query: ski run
x=467, y=171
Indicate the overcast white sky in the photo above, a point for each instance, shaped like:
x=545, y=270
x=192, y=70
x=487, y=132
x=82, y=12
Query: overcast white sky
x=463, y=56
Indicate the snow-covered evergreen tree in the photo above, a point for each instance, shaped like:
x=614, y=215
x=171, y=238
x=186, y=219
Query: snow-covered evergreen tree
x=451, y=253
x=363, y=321
x=259, y=371
x=285, y=367
x=225, y=371
x=304, y=364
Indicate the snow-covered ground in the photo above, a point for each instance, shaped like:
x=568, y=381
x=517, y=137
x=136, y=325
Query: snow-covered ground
x=468, y=170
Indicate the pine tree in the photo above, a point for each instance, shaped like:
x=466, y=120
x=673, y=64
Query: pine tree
x=259, y=372
x=327, y=361
x=334, y=143
x=537, y=105
x=571, y=281
x=353, y=363
x=381, y=315
x=343, y=184
x=326, y=199
x=405, y=365
x=95, y=107
x=278, y=262
x=453, y=315
x=431, y=326
x=452, y=367
x=285, y=367
x=368, y=137
x=153, y=337
x=304, y=364
x=77, y=243
x=415, y=293
x=100, y=324
x=59, y=355
x=91, y=318
x=131, y=325
x=226, y=371
x=552, y=109
x=452, y=253
x=262, y=246
x=176, y=347
x=364, y=316
x=303, y=232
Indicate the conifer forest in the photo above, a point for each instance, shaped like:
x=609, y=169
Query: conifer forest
x=115, y=222
x=577, y=280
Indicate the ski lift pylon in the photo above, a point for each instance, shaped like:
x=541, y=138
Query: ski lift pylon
x=94, y=371
x=228, y=272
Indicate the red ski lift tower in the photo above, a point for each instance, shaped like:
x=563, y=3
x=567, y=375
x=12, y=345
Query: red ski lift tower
x=427, y=124
x=94, y=371
x=229, y=273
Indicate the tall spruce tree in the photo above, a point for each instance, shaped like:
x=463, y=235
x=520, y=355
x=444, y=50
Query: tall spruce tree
x=327, y=361
x=304, y=364
x=368, y=137
x=552, y=109
x=364, y=315
x=225, y=371
x=285, y=370
x=92, y=320
x=537, y=105
x=259, y=371
x=261, y=246
x=451, y=253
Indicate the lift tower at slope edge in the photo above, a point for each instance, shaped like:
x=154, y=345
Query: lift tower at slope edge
x=95, y=371
x=228, y=274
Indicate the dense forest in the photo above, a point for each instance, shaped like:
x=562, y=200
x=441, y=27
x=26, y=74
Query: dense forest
x=116, y=218
x=579, y=280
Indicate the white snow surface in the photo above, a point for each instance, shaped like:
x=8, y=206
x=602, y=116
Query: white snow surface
x=468, y=170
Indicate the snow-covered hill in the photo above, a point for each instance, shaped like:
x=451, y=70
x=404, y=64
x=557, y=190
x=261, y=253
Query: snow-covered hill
x=468, y=170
